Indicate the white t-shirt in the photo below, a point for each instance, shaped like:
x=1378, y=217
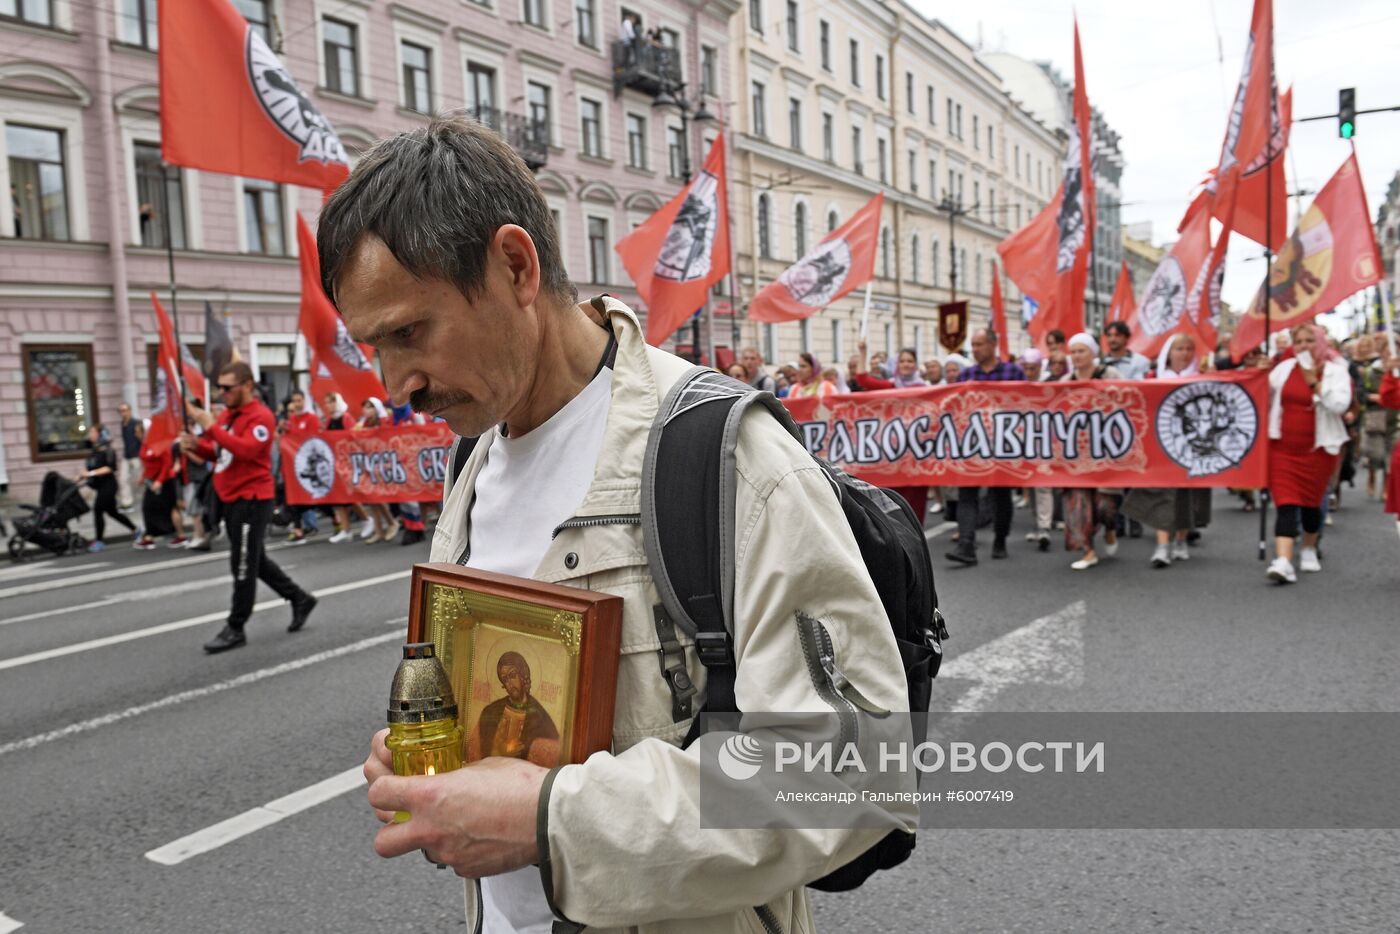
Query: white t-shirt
x=528, y=486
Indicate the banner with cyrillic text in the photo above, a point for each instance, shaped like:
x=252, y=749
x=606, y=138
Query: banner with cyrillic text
x=403, y=464
x=1201, y=431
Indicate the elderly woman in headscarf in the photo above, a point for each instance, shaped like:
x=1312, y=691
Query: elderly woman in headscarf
x=1174, y=513
x=810, y=381
x=385, y=526
x=933, y=371
x=953, y=365
x=1086, y=510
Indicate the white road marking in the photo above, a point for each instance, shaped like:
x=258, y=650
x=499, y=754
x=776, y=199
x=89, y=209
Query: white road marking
x=149, y=593
x=1049, y=650
x=171, y=700
x=8, y=924
x=184, y=623
x=254, y=819
x=939, y=529
x=40, y=569
x=43, y=586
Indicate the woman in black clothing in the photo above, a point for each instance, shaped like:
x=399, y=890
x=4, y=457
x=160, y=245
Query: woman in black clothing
x=100, y=472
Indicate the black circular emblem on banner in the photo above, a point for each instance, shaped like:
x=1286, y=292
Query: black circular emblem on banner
x=1207, y=427
x=315, y=467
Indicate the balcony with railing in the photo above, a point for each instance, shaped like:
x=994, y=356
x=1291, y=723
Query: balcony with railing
x=529, y=138
x=644, y=67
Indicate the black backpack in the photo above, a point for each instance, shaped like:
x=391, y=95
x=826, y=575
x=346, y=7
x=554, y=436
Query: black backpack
x=688, y=495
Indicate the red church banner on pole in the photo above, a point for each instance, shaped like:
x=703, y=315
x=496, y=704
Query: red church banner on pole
x=402, y=464
x=1205, y=431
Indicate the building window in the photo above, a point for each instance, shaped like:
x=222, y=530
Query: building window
x=792, y=26
x=825, y=30
x=977, y=196
x=933, y=264
x=136, y=20
x=885, y=252
x=933, y=179
x=541, y=116
x=1016, y=160
x=795, y=122
x=950, y=118
x=799, y=240
x=756, y=15
x=855, y=63
x=958, y=112
x=914, y=259
x=838, y=349
x=919, y=341
x=417, y=77
x=932, y=99
x=909, y=91
x=804, y=332
x=709, y=78
x=155, y=190
x=833, y=220
x=770, y=342
x=38, y=12
x=856, y=162
x=675, y=152
x=598, y=250
x=585, y=18
x=636, y=141
x=765, y=239
x=828, y=137
x=342, y=56
x=591, y=128
x=880, y=76
x=262, y=217
x=991, y=204
x=889, y=340
x=481, y=93
x=532, y=12
x=913, y=177
x=991, y=142
x=259, y=16
x=882, y=155
x=38, y=182
x=59, y=398
x=962, y=263
x=760, y=127
x=976, y=139
x=977, y=270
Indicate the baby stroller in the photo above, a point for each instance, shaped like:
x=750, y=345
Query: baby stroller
x=60, y=502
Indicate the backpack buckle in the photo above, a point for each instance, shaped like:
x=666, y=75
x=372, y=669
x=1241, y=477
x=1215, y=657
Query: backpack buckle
x=714, y=649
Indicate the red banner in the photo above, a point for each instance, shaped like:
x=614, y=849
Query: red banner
x=404, y=464
x=1204, y=431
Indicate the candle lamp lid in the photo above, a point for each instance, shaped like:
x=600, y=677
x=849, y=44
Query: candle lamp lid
x=421, y=691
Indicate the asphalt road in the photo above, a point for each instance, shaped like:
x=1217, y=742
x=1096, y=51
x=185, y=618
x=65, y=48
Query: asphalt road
x=119, y=737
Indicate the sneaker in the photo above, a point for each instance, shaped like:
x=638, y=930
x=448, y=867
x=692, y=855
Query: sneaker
x=199, y=544
x=344, y=535
x=95, y=547
x=296, y=535
x=1181, y=551
x=1110, y=548
x=1328, y=520
x=935, y=508
x=1032, y=536
x=179, y=541
x=1084, y=564
x=300, y=611
x=367, y=529
x=228, y=638
x=1281, y=572
x=1044, y=541
x=1161, y=557
x=999, y=548
x=144, y=543
x=962, y=555
x=1307, y=561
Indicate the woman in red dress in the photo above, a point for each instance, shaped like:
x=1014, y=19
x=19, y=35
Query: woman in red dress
x=1308, y=393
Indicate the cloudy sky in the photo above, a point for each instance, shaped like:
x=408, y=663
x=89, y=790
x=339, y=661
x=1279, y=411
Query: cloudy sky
x=1156, y=72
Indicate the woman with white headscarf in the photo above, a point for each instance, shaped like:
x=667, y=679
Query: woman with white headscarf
x=1086, y=510
x=953, y=365
x=385, y=527
x=1174, y=513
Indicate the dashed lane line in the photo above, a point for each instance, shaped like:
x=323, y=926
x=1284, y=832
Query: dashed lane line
x=129, y=596
x=20, y=590
x=255, y=819
x=172, y=700
x=8, y=924
x=200, y=620
x=42, y=568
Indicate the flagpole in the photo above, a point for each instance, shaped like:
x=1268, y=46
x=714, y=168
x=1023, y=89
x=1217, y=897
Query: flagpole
x=865, y=312
x=1268, y=307
x=174, y=300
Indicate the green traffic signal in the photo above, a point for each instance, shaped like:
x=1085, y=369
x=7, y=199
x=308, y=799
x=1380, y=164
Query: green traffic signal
x=1346, y=113
x=1348, y=130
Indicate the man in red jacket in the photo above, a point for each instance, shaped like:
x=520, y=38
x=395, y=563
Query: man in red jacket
x=241, y=438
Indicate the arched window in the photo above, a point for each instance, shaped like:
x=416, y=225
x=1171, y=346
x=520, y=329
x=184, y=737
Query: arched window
x=914, y=259
x=765, y=243
x=885, y=252
x=833, y=220
x=799, y=220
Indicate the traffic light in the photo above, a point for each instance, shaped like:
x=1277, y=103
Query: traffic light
x=1346, y=113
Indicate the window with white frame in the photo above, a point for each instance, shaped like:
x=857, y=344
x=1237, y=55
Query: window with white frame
x=855, y=63
x=914, y=259
x=824, y=31
x=833, y=220
x=909, y=91
x=756, y=15
x=765, y=236
x=341, y=43
x=417, y=76
x=828, y=137
x=799, y=221
x=795, y=122
x=880, y=76
x=918, y=342
x=709, y=70
x=882, y=154
x=913, y=175
x=136, y=20
x=760, y=123
x=532, y=13
x=886, y=260
x=586, y=19
x=540, y=100
x=37, y=12
x=636, y=141
x=38, y=182
x=932, y=109
x=976, y=138
x=770, y=342
x=598, y=271
x=156, y=191
x=675, y=152
x=856, y=162
x=793, y=34
x=263, y=223
x=933, y=179
x=838, y=344
x=804, y=330
x=933, y=264
x=889, y=340
x=591, y=126
x=481, y=94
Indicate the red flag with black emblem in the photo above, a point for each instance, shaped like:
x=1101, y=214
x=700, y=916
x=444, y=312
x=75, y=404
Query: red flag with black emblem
x=682, y=250
x=167, y=417
x=1122, y=306
x=1048, y=259
x=844, y=260
x=1165, y=308
x=227, y=103
x=334, y=354
x=1332, y=254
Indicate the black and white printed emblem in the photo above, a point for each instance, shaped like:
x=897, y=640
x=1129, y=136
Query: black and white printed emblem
x=346, y=348
x=686, y=252
x=315, y=467
x=1207, y=427
x=260, y=433
x=1071, y=220
x=815, y=279
x=288, y=107
x=1164, y=298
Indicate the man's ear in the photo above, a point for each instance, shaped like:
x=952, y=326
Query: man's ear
x=515, y=251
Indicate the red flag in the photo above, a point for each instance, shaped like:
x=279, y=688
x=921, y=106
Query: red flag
x=843, y=260
x=1165, y=309
x=227, y=104
x=329, y=343
x=1048, y=259
x=1203, y=301
x=999, y=314
x=1331, y=255
x=1122, y=306
x=682, y=249
x=167, y=417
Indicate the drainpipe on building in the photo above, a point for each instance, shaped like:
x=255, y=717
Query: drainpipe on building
x=116, y=235
x=894, y=150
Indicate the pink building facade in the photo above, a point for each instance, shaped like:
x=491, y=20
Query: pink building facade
x=82, y=236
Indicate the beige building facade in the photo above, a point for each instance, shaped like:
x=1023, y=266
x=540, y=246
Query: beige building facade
x=836, y=102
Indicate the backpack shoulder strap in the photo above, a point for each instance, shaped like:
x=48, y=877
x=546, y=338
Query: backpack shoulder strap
x=456, y=459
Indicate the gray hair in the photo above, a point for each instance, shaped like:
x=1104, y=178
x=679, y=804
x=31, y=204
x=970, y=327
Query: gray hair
x=436, y=196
